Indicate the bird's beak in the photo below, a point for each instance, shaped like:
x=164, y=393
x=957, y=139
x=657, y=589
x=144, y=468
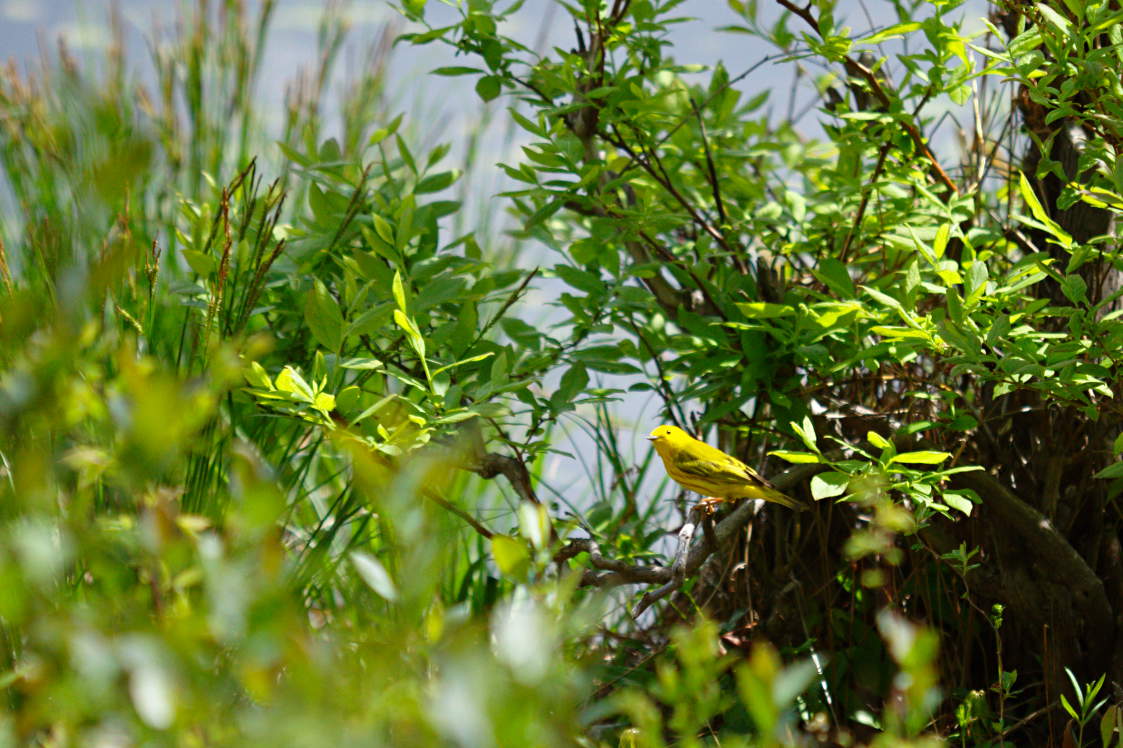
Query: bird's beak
x=650, y=438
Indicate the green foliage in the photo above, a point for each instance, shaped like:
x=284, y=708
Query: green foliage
x=281, y=440
x=1086, y=705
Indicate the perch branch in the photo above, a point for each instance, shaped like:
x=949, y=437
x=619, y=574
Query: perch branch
x=608, y=572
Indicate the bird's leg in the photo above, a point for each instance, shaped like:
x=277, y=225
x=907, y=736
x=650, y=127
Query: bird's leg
x=709, y=504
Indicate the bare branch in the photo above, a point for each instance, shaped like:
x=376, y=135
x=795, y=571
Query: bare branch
x=513, y=469
x=686, y=559
x=472, y=521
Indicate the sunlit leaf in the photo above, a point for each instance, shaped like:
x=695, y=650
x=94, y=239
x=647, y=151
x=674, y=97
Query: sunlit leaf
x=374, y=574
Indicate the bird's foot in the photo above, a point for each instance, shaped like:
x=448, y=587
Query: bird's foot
x=709, y=505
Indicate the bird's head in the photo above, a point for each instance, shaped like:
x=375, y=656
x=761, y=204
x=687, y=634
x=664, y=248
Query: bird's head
x=666, y=434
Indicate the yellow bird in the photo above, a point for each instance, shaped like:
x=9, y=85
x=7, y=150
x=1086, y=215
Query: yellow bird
x=699, y=467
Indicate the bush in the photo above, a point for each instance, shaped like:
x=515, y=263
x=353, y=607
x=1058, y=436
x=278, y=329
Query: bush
x=275, y=431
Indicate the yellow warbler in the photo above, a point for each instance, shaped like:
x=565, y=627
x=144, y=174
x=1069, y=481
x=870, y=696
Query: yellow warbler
x=699, y=467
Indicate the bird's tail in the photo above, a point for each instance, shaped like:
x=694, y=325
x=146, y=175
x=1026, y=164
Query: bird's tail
x=778, y=497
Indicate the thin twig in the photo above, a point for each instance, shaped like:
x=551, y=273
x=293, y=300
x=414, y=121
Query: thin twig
x=715, y=185
x=856, y=225
x=502, y=310
x=472, y=521
x=649, y=161
x=853, y=66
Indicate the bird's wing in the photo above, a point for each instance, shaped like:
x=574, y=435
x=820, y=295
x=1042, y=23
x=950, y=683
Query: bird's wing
x=719, y=468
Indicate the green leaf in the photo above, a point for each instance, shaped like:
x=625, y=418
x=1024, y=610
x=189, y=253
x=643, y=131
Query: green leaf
x=835, y=274
x=798, y=458
x=436, y=182
x=258, y=377
x=491, y=410
x=892, y=32
x=488, y=87
x=201, y=263
x=582, y=280
x=764, y=310
x=1059, y=23
x=454, y=70
x=958, y=501
x=1114, y=470
x=329, y=151
x=471, y=360
x=828, y=485
x=375, y=575
x=1100, y=198
x=1111, y=720
x=884, y=299
x=527, y=124
x=976, y=281
x=403, y=151
x=324, y=402
x=399, y=292
x=940, y=243
x=457, y=417
x=573, y=383
x=524, y=334
x=1074, y=288
x=1030, y=197
x=955, y=306
x=511, y=555
x=499, y=372
x=878, y=440
x=1068, y=708
x=410, y=328
x=923, y=457
x=899, y=331
x=534, y=524
x=806, y=432
x=362, y=364
x=289, y=380
x=383, y=228
x=323, y=317
x=349, y=399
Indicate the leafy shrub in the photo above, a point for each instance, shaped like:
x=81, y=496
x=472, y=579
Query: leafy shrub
x=276, y=432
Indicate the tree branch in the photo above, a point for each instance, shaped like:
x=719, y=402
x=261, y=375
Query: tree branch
x=686, y=560
x=1049, y=545
x=513, y=469
x=476, y=525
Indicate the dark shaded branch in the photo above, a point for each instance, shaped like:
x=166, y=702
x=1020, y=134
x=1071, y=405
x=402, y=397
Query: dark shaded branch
x=1050, y=546
x=866, y=194
x=513, y=469
x=711, y=170
x=669, y=298
x=679, y=561
x=649, y=161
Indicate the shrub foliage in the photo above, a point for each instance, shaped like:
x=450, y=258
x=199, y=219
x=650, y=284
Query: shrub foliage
x=282, y=420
